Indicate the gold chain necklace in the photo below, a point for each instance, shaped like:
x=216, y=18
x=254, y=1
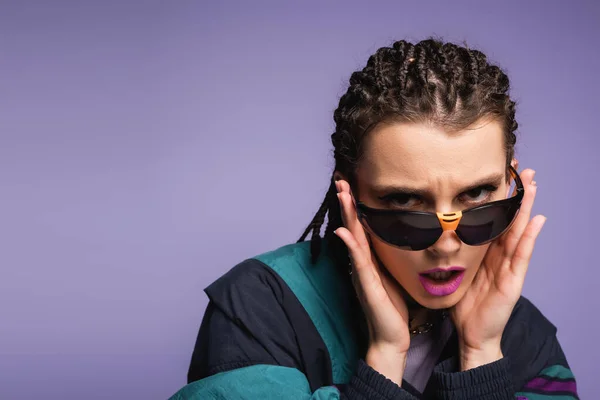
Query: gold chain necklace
x=426, y=327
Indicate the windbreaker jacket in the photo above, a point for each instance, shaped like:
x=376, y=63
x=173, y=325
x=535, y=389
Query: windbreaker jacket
x=278, y=327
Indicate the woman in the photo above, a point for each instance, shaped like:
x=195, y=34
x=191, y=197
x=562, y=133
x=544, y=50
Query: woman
x=415, y=289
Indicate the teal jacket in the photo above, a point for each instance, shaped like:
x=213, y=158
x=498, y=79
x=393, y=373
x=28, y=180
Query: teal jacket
x=278, y=327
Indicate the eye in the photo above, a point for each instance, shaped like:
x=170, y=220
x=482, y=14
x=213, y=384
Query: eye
x=400, y=200
x=479, y=194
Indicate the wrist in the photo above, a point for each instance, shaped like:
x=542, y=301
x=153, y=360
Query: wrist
x=473, y=357
x=388, y=360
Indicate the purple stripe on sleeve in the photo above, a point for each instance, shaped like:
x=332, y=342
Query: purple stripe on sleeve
x=549, y=385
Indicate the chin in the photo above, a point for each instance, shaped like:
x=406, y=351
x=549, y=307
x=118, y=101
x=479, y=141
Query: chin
x=440, y=302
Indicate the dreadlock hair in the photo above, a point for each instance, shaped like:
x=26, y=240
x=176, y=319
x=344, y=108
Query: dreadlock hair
x=431, y=81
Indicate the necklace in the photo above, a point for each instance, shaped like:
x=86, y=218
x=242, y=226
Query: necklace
x=426, y=327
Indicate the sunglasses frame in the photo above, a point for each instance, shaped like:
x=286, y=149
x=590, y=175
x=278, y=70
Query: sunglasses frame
x=447, y=221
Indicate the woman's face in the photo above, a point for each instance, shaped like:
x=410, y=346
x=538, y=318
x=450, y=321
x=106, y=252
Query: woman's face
x=401, y=159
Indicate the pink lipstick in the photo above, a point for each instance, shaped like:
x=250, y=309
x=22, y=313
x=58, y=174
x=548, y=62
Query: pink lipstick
x=442, y=281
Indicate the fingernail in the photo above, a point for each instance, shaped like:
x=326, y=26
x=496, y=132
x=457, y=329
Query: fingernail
x=337, y=188
x=534, y=183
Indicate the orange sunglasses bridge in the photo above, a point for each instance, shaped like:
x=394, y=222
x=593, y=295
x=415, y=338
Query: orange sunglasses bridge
x=449, y=221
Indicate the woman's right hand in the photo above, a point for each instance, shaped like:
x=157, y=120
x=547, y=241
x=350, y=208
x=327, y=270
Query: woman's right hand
x=385, y=309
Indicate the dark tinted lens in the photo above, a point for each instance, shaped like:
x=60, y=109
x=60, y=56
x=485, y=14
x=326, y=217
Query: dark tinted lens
x=412, y=231
x=484, y=224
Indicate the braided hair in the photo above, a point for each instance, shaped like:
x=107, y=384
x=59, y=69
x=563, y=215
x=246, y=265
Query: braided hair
x=440, y=83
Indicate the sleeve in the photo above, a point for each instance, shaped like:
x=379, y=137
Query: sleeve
x=554, y=381
x=495, y=381
x=247, y=348
x=271, y=382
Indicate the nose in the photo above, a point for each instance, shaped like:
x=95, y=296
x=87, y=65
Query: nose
x=447, y=244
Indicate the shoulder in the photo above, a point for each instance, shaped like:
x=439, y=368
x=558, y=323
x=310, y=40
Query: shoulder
x=263, y=275
x=278, y=274
x=262, y=312
x=249, y=278
x=258, y=267
x=312, y=299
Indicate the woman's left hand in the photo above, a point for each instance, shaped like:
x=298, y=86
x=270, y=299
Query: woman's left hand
x=481, y=315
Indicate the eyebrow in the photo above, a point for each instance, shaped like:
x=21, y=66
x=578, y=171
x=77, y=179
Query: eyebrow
x=495, y=180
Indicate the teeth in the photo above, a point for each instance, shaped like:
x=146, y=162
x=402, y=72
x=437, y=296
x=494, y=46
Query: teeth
x=441, y=275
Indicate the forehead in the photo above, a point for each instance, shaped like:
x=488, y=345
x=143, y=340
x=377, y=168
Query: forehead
x=420, y=153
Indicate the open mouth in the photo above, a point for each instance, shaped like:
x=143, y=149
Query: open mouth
x=442, y=282
x=441, y=276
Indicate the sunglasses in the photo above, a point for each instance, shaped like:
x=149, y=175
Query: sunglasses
x=418, y=230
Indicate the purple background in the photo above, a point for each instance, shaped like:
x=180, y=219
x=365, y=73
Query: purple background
x=147, y=147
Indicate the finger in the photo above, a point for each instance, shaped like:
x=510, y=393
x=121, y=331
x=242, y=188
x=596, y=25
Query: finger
x=357, y=255
x=363, y=262
x=339, y=185
x=343, y=186
x=350, y=219
x=526, y=177
x=346, y=236
x=513, y=236
x=362, y=266
x=522, y=256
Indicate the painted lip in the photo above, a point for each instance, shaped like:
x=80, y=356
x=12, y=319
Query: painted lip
x=453, y=268
x=442, y=288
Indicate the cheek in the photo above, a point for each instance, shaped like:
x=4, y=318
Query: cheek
x=472, y=258
x=476, y=254
x=401, y=263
